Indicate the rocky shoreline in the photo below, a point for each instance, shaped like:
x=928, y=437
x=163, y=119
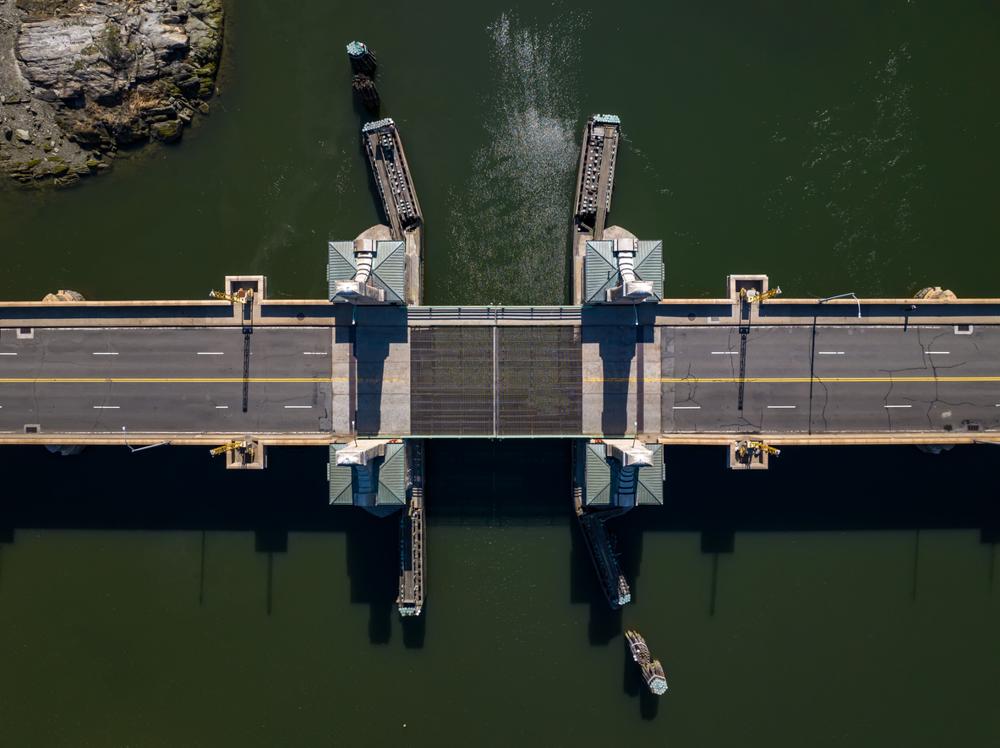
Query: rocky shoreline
x=80, y=80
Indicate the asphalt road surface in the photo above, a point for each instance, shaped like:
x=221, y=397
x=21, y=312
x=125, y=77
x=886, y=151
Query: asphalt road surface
x=184, y=380
x=831, y=379
x=787, y=379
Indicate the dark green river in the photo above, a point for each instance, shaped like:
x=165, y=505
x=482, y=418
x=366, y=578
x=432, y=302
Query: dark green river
x=846, y=598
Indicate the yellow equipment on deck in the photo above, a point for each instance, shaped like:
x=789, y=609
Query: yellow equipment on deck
x=243, y=447
x=753, y=296
x=749, y=450
x=240, y=296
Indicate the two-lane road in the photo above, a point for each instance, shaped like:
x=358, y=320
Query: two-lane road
x=184, y=380
x=712, y=379
x=805, y=379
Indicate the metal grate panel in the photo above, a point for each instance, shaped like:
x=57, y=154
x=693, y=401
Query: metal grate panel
x=539, y=378
x=451, y=380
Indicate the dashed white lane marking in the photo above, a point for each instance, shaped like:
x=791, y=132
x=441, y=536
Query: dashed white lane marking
x=781, y=407
x=830, y=353
x=687, y=407
x=725, y=353
x=314, y=353
x=221, y=407
x=898, y=406
x=107, y=407
x=298, y=406
x=105, y=353
x=7, y=354
x=938, y=353
x=211, y=353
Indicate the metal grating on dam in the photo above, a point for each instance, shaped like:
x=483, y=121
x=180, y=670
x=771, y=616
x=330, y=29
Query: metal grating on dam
x=451, y=381
x=495, y=381
x=539, y=380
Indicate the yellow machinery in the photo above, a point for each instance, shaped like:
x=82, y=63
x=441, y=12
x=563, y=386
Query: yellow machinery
x=750, y=450
x=245, y=448
x=752, y=296
x=241, y=296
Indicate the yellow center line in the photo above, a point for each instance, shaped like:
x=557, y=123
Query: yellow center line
x=794, y=380
x=170, y=380
x=662, y=380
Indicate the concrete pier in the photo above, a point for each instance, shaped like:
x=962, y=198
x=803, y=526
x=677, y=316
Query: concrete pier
x=412, y=535
x=392, y=176
x=594, y=189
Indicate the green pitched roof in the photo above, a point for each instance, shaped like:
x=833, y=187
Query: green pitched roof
x=649, y=491
x=388, y=270
x=601, y=270
x=391, y=478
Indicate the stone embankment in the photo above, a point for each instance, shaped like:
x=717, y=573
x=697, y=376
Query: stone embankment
x=79, y=80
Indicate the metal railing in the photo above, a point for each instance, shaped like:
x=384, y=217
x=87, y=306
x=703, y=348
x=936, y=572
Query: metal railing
x=494, y=313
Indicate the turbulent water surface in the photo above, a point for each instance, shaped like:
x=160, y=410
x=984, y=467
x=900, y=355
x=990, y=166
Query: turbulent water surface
x=848, y=597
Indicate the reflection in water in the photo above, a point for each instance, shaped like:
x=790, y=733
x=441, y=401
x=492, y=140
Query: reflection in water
x=511, y=222
x=503, y=550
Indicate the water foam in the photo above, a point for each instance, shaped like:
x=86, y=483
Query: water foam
x=510, y=222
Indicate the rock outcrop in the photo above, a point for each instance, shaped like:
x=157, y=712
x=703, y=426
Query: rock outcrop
x=935, y=292
x=63, y=295
x=79, y=80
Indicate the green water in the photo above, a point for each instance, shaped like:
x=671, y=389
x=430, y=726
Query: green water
x=153, y=600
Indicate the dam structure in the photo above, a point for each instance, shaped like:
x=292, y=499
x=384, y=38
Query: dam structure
x=370, y=372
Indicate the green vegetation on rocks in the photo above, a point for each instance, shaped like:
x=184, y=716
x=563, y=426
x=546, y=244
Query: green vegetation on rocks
x=99, y=76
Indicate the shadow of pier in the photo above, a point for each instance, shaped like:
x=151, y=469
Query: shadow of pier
x=519, y=482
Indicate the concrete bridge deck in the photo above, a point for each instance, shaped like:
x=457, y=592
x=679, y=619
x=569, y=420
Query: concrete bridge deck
x=685, y=371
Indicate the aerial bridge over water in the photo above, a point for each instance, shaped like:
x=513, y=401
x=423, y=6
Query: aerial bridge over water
x=369, y=372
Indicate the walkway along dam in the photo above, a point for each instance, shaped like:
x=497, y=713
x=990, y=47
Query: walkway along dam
x=369, y=372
